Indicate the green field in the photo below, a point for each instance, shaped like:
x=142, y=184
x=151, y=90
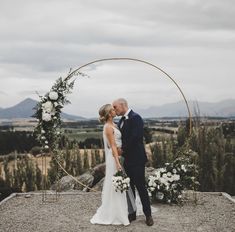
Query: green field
x=82, y=135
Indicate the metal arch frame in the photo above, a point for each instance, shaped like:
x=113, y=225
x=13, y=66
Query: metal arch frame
x=144, y=62
x=72, y=73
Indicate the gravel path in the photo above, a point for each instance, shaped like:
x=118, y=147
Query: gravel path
x=71, y=213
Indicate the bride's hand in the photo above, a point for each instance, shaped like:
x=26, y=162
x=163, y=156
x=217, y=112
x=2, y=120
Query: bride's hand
x=119, y=151
x=119, y=167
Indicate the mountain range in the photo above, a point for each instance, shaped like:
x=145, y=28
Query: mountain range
x=25, y=109
x=224, y=108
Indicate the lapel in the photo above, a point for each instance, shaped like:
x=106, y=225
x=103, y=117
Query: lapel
x=125, y=123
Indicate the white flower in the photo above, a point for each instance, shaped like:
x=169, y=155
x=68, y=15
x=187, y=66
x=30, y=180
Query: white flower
x=46, y=142
x=183, y=168
x=176, y=177
x=168, y=174
x=46, y=147
x=162, y=170
x=126, y=180
x=47, y=107
x=164, y=176
x=53, y=95
x=43, y=137
x=46, y=117
x=43, y=132
x=174, y=171
x=158, y=174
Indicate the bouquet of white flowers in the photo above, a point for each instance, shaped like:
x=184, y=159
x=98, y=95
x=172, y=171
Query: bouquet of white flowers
x=121, y=181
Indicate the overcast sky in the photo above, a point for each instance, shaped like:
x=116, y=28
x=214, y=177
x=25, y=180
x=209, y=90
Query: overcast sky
x=192, y=40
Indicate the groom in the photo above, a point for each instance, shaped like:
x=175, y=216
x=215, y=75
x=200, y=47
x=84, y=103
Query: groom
x=133, y=151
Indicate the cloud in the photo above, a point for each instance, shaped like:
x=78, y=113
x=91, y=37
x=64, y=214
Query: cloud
x=193, y=40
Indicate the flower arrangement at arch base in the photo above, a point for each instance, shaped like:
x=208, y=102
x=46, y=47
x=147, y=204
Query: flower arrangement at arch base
x=168, y=183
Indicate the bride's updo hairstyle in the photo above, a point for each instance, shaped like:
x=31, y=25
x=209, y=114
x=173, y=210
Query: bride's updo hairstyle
x=104, y=112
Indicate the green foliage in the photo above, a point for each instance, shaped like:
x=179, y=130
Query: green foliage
x=229, y=173
x=93, y=158
x=148, y=135
x=38, y=178
x=6, y=189
x=54, y=172
x=208, y=148
x=79, y=169
x=172, y=178
x=24, y=176
x=19, y=141
x=30, y=175
x=86, y=165
x=97, y=156
x=103, y=157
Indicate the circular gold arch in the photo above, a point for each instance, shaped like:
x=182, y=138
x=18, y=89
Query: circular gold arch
x=72, y=73
x=144, y=62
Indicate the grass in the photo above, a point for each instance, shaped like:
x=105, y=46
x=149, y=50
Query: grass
x=82, y=136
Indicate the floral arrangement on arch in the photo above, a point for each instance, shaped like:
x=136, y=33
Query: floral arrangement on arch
x=168, y=182
x=48, y=112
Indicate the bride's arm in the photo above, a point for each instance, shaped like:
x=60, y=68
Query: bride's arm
x=113, y=146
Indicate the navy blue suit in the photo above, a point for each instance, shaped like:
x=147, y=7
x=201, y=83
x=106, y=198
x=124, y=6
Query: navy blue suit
x=135, y=156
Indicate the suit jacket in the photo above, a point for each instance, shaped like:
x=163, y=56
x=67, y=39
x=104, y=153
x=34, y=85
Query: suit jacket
x=132, y=140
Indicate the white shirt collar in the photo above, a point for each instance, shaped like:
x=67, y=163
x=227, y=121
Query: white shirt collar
x=126, y=114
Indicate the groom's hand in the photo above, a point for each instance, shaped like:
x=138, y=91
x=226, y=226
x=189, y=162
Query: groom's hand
x=119, y=151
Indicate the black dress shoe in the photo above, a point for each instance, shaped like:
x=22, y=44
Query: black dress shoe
x=132, y=217
x=149, y=221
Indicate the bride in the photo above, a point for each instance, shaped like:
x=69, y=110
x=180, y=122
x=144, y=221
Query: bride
x=114, y=208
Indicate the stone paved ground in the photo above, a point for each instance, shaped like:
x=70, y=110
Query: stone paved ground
x=71, y=213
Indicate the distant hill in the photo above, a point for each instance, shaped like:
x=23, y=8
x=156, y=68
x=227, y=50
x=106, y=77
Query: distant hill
x=25, y=109
x=224, y=108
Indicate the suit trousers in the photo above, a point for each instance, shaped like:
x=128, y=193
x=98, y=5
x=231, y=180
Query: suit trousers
x=137, y=180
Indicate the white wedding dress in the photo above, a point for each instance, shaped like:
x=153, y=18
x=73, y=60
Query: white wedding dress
x=113, y=209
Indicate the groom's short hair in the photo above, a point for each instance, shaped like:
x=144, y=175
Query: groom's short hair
x=122, y=101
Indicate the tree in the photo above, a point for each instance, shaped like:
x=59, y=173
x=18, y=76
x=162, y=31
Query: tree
x=79, y=169
x=38, y=178
x=157, y=155
x=8, y=176
x=86, y=165
x=93, y=158
x=103, y=156
x=148, y=135
x=229, y=174
x=19, y=175
x=97, y=156
x=29, y=175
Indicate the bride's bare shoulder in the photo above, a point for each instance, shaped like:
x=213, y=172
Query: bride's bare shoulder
x=108, y=128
